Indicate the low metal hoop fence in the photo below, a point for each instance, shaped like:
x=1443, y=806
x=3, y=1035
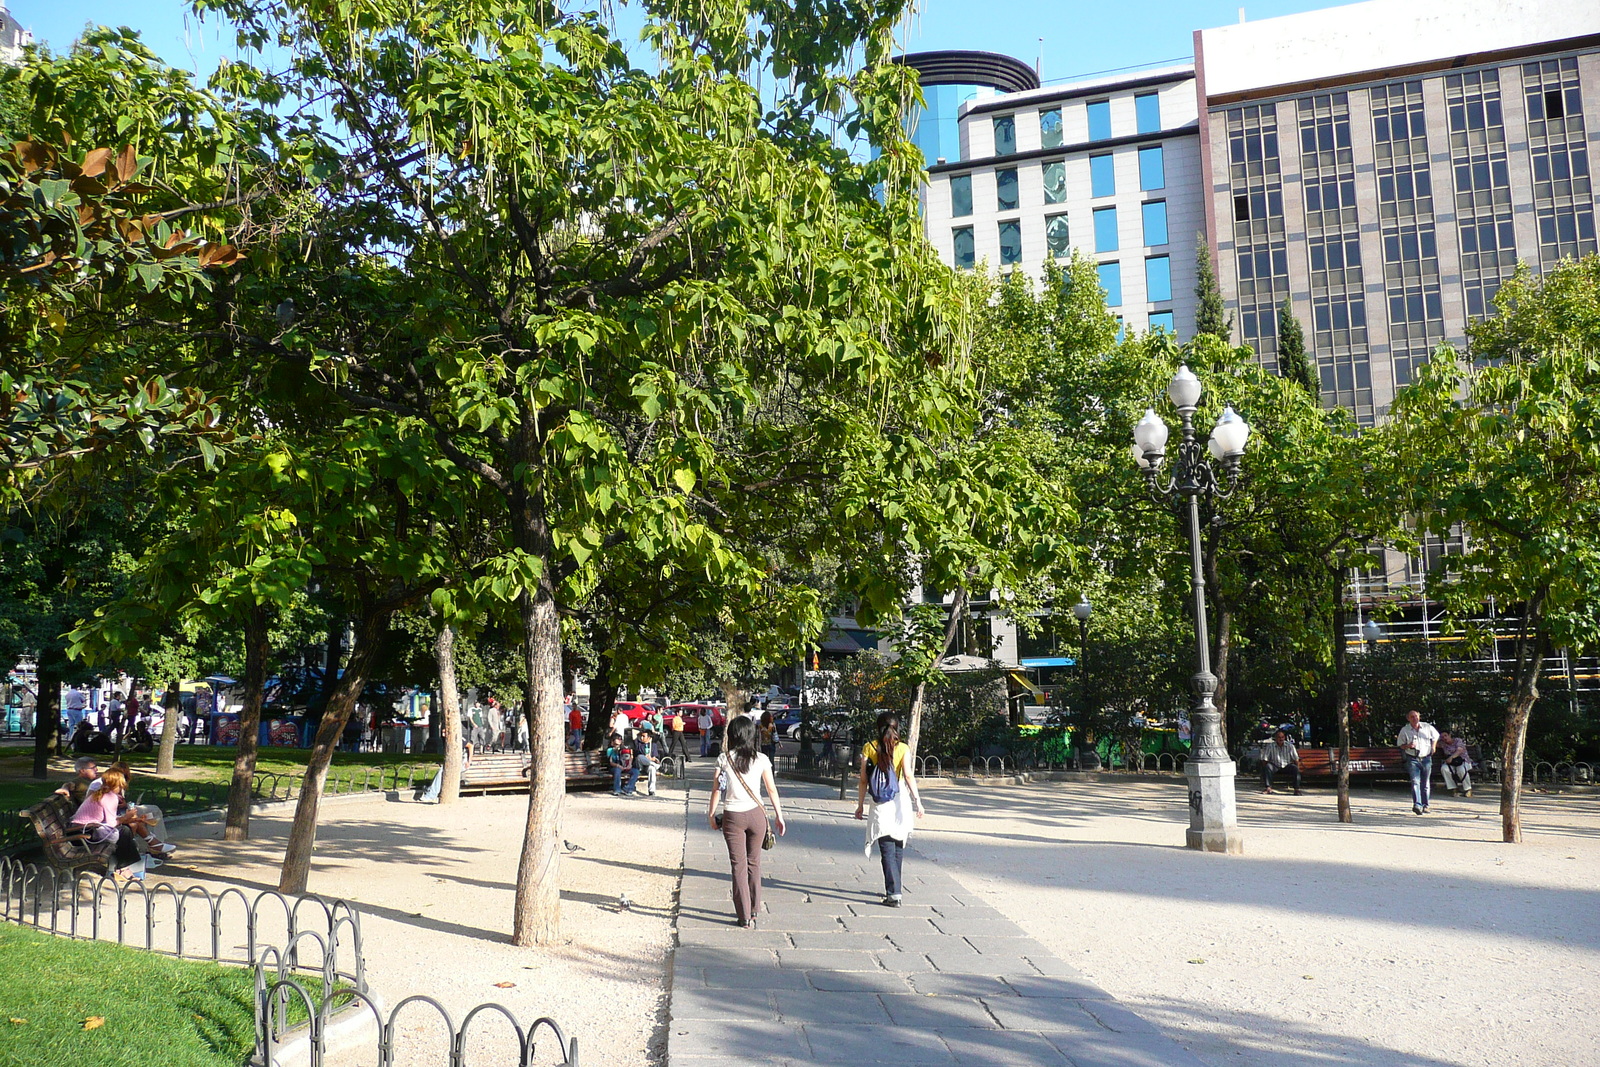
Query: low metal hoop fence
x=277, y=991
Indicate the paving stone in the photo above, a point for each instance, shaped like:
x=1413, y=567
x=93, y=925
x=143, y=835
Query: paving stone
x=735, y=938
x=1050, y=1016
x=755, y=978
x=839, y=939
x=1021, y=947
x=1051, y=987
x=948, y=958
x=1114, y=1016
x=740, y=1040
x=891, y=1045
x=793, y=919
x=1000, y=1048
x=889, y=923
x=908, y=963
x=943, y=983
x=859, y=981
x=815, y=1007
x=1048, y=964
x=707, y=1003
x=936, y=1012
x=962, y=927
x=919, y=942
x=1123, y=1050
x=828, y=959
x=723, y=956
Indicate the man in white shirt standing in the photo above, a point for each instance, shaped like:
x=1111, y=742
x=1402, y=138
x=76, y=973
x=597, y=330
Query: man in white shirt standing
x=1416, y=741
x=73, y=702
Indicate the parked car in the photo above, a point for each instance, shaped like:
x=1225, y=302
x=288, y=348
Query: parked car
x=691, y=714
x=633, y=710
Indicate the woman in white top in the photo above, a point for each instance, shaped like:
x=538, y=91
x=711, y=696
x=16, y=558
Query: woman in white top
x=886, y=770
x=742, y=772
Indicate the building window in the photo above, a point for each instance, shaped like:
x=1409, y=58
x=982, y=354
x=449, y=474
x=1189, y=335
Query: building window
x=1155, y=222
x=1102, y=175
x=1005, y=135
x=1111, y=282
x=1100, y=120
x=1158, y=279
x=965, y=252
x=1152, y=169
x=1147, y=108
x=1010, y=243
x=1056, y=238
x=1162, y=320
x=1055, y=183
x=1050, y=135
x=1005, y=189
x=961, y=195
x=1105, y=229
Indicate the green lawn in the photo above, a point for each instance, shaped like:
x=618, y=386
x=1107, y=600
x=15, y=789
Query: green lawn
x=156, y=1010
x=201, y=764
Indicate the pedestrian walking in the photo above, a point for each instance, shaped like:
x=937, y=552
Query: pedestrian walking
x=1417, y=740
x=704, y=722
x=742, y=772
x=886, y=777
x=675, y=741
x=769, y=737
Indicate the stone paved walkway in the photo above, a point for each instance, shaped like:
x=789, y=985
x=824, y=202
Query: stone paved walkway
x=832, y=976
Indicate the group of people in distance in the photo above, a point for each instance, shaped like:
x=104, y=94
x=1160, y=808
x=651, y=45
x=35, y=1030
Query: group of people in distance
x=104, y=815
x=1420, y=744
x=745, y=771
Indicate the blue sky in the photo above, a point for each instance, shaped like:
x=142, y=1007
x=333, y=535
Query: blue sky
x=1078, y=38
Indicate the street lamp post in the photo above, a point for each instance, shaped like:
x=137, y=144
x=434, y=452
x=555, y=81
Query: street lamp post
x=1373, y=633
x=1081, y=611
x=1213, y=811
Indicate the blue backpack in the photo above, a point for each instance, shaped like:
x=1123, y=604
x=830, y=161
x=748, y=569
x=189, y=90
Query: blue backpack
x=882, y=784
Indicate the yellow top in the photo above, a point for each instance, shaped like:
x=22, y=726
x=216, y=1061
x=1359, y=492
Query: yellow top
x=870, y=751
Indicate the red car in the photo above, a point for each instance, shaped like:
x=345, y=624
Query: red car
x=633, y=710
x=691, y=716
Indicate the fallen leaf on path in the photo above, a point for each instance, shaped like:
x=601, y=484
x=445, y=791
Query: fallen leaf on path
x=94, y=1022
x=1308, y=978
x=19, y=1022
x=1197, y=960
x=505, y=985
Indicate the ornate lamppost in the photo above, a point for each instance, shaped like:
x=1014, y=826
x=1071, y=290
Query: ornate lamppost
x=1213, y=811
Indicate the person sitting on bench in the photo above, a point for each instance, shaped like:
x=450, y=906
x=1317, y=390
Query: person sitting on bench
x=97, y=817
x=647, y=754
x=1455, y=763
x=77, y=789
x=621, y=756
x=1280, y=755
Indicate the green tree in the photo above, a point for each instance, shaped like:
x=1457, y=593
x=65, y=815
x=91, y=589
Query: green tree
x=1506, y=446
x=1211, y=316
x=1294, y=362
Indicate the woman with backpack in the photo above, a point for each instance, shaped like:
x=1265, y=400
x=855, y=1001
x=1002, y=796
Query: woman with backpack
x=742, y=773
x=886, y=777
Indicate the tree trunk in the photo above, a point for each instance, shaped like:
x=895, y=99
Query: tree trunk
x=237, y=827
x=1341, y=693
x=602, y=703
x=1531, y=652
x=537, y=917
x=370, y=634
x=952, y=630
x=450, y=715
x=46, y=714
x=173, y=703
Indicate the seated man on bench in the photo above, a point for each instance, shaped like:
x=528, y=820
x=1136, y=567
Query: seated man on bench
x=1280, y=755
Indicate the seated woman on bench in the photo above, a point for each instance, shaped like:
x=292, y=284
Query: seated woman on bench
x=99, y=818
x=149, y=826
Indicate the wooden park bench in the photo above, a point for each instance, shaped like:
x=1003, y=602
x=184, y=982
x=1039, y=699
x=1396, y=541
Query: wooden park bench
x=500, y=772
x=65, y=847
x=1368, y=763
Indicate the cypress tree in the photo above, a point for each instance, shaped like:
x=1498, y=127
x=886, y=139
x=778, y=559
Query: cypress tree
x=1211, y=314
x=1294, y=362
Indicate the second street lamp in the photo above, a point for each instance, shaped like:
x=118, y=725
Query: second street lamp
x=1213, y=810
x=1081, y=611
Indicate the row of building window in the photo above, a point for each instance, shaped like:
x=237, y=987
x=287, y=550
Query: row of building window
x=1058, y=243
x=1102, y=181
x=1153, y=219
x=1147, y=119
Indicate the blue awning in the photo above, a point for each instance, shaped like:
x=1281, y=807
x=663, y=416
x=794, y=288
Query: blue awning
x=1048, y=661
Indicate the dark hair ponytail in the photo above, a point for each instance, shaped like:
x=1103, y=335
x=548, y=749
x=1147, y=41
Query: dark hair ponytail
x=888, y=731
x=741, y=738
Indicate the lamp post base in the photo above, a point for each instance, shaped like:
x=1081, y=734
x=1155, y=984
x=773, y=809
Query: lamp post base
x=1213, y=812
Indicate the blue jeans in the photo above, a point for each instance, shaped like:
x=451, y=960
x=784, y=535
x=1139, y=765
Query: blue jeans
x=616, y=779
x=892, y=853
x=1420, y=772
